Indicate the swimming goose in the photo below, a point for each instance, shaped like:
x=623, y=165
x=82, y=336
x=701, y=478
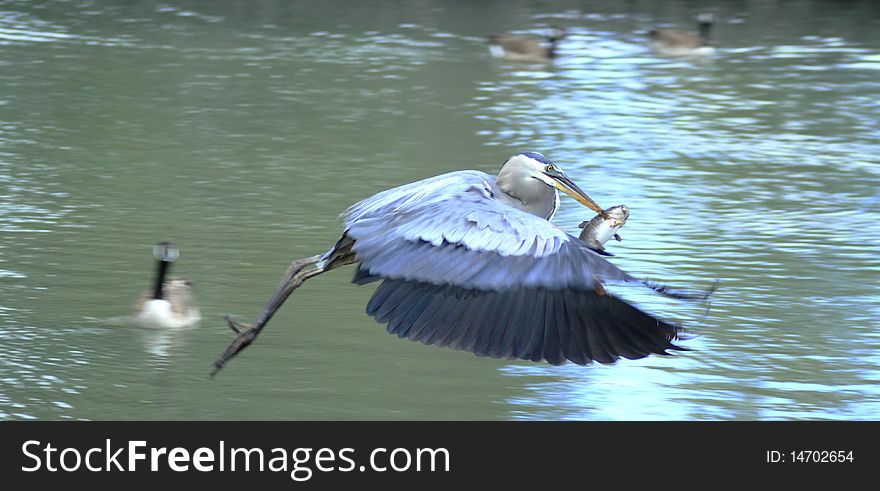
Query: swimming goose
x=171, y=303
x=524, y=49
x=672, y=42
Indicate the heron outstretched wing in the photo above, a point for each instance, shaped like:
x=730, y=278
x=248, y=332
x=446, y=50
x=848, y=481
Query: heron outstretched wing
x=463, y=270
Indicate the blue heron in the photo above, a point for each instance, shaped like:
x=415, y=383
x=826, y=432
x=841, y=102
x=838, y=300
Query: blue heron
x=472, y=262
x=171, y=302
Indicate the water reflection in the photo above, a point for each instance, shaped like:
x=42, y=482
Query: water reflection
x=718, y=161
x=241, y=133
x=162, y=344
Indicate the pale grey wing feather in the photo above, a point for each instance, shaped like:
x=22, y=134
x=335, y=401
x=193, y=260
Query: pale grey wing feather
x=574, y=266
x=450, y=230
x=455, y=208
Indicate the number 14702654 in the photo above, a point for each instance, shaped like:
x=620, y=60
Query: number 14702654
x=810, y=456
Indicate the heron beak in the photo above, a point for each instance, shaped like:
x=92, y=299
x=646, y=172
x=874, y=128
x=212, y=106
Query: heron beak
x=564, y=184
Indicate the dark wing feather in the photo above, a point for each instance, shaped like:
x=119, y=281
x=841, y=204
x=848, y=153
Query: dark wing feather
x=473, y=321
x=577, y=350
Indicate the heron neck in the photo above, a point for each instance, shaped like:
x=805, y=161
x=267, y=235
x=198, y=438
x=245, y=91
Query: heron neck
x=161, y=272
x=539, y=200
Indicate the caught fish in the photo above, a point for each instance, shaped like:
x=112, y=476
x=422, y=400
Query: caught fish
x=599, y=230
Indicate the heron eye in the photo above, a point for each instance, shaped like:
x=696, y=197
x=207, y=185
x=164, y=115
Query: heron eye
x=549, y=168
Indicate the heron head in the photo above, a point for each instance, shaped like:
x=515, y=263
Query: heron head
x=526, y=169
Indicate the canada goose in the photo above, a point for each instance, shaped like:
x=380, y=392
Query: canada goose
x=524, y=49
x=171, y=303
x=672, y=42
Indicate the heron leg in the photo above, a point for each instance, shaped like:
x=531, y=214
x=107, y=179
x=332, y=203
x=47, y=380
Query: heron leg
x=298, y=272
x=285, y=288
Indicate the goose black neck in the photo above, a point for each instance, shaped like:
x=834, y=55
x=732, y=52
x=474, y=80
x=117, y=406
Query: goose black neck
x=705, y=27
x=161, y=271
x=551, y=51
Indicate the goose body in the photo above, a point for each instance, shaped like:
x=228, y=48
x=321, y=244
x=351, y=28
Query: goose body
x=516, y=48
x=171, y=303
x=672, y=42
